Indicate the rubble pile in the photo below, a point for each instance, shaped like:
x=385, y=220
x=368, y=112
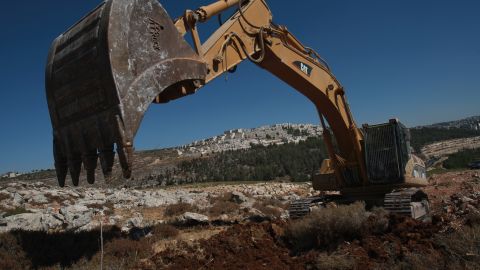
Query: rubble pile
x=461, y=208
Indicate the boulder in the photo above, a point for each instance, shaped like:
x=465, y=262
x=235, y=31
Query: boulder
x=134, y=222
x=32, y=222
x=190, y=219
x=27, y=222
x=39, y=198
x=76, y=216
x=52, y=221
x=18, y=200
x=238, y=197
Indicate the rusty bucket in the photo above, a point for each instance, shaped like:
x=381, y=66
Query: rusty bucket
x=101, y=77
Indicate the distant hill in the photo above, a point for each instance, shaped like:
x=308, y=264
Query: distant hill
x=290, y=151
x=467, y=123
x=428, y=135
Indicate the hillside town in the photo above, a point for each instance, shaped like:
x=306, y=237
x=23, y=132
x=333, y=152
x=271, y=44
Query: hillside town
x=467, y=123
x=237, y=139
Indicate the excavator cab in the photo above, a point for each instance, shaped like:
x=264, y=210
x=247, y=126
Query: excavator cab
x=103, y=73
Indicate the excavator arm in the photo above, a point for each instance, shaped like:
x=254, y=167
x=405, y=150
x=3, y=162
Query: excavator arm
x=251, y=34
x=106, y=70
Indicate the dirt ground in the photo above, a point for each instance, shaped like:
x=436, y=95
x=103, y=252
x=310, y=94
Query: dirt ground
x=406, y=244
x=451, y=240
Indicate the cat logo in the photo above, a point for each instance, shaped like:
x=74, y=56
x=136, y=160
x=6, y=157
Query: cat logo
x=303, y=67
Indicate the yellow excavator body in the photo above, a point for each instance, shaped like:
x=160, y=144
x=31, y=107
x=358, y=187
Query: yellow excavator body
x=105, y=71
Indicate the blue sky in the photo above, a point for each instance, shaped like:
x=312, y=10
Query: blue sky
x=415, y=60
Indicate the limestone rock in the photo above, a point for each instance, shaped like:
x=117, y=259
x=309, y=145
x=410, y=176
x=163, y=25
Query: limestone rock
x=239, y=197
x=190, y=218
x=39, y=198
x=134, y=222
x=76, y=216
x=18, y=200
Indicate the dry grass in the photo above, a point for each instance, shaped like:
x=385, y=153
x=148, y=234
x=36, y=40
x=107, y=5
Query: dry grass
x=419, y=261
x=225, y=197
x=13, y=212
x=462, y=247
x=108, y=205
x=223, y=205
x=326, y=227
x=473, y=219
x=334, y=262
x=179, y=209
x=4, y=196
x=120, y=253
x=164, y=231
x=12, y=255
x=270, y=207
x=54, y=198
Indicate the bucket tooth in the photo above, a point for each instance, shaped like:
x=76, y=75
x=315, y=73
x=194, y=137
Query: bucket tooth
x=107, y=157
x=105, y=71
x=125, y=155
x=61, y=164
x=62, y=171
x=75, y=168
x=90, y=164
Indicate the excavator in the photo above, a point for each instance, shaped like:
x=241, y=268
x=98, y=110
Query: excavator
x=105, y=71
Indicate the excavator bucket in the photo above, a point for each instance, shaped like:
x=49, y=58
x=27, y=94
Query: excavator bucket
x=102, y=75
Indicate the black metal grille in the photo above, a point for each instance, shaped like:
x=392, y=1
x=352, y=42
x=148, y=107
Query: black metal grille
x=386, y=151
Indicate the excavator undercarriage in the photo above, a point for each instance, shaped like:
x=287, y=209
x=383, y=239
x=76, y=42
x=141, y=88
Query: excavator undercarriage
x=105, y=71
x=395, y=176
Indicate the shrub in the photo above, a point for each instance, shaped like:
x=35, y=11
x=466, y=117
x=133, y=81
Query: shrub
x=53, y=198
x=124, y=248
x=334, y=262
x=164, y=231
x=12, y=255
x=462, y=247
x=16, y=211
x=120, y=253
x=179, y=209
x=269, y=207
x=377, y=222
x=222, y=205
x=461, y=159
x=473, y=219
x=326, y=227
x=4, y=196
x=108, y=205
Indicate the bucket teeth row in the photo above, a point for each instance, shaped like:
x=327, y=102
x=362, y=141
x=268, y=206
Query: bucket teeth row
x=73, y=163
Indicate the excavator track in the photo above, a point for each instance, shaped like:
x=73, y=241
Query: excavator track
x=302, y=207
x=411, y=202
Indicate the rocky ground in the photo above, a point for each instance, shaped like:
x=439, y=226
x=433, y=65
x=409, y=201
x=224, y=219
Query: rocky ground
x=42, y=207
x=240, y=226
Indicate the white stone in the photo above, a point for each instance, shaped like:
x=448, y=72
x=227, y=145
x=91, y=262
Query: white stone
x=192, y=218
x=18, y=200
x=76, y=216
x=39, y=199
